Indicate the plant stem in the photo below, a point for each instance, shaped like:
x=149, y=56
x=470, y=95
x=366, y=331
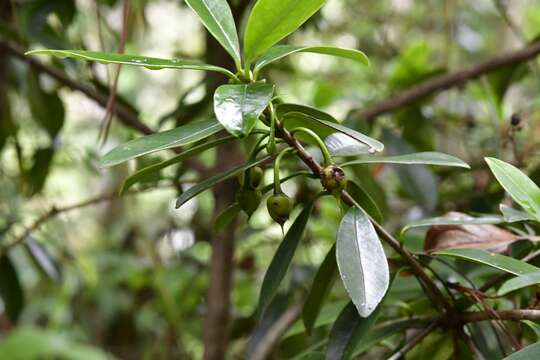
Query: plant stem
x=326, y=154
x=277, y=183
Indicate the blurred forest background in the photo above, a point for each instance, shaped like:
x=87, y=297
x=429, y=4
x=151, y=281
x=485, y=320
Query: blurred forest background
x=95, y=275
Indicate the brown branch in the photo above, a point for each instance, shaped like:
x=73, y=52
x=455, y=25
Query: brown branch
x=125, y=115
x=446, y=81
x=415, y=340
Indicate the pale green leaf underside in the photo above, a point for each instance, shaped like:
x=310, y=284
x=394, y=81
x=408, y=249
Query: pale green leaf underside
x=522, y=189
x=217, y=17
x=135, y=60
x=423, y=158
x=520, y=282
x=501, y=262
x=238, y=107
x=272, y=20
x=280, y=51
x=361, y=261
x=527, y=353
x=514, y=215
x=180, y=136
x=216, y=179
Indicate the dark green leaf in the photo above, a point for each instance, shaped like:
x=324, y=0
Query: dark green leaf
x=423, y=158
x=285, y=108
x=528, y=353
x=522, y=281
x=216, y=179
x=135, y=60
x=522, y=189
x=322, y=284
x=348, y=329
x=365, y=201
x=10, y=289
x=501, y=262
x=238, y=107
x=272, y=20
x=217, y=17
x=361, y=261
x=284, y=255
x=37, y=175
x=180, y=136
x=144, y=172
x=280, y=51
x=307, y=121
x=47, y=107
x=226, y=216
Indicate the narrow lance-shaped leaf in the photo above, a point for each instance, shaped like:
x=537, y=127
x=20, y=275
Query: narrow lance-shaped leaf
x=446, y=220
x=365, y=201
x=272, y=20
x=308, y=120
x=322, y=284
x=180, y=136
x=216, y=179
x=284, y=255
x=226, y=216
x=135, y=60
x=512, y=215
x=238, y=107
x=520, y=282
x=497, y=261
x=522, y=189
x=11, y=290
x=361, y=261
x=142, y=173
x=421, y=158
x=217, y=17
x=280, y=51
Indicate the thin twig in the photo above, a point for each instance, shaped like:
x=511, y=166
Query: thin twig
x=413, y=342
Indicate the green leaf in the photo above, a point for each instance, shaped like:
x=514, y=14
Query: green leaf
x=446, y=220
x=528, y=353
x=322, y=284
x=327, y=316
x=28, y=343
x=136, y=60
x=143, y=173
x=284, y=255
x=421, y=158
x=217, y=17
x=216, y=179
x=361, y=261
x=348, y=329
x=512, y=215
x=43, y=259
x=47, y=108
x=238, y=107
x=11, y=290
x=285, y=108
x=226, y=216
x=522, y=281
x=180, y=136
x=522, y=189
x=501, y=262
x=307, y=120
x=339, y=144
x=365, y=201
x=280, y=51
x=272, y=20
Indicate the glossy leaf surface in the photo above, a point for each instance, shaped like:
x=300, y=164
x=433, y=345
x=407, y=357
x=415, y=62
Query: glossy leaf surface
x=280, y=51
x=135, y=60
x=180, y=136
x=501, y=262
x=361, y=261
x=217, y=17
x=272, y=20
x=522, y=281
x=216, y=179
x=283, y=256
x=421, y=158
x=522, y=189
x=527, y=353
x=238, y=107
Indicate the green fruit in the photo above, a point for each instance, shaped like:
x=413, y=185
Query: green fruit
x=255, y=177
x=333, y=179
x=279, y=207
x=248, y=200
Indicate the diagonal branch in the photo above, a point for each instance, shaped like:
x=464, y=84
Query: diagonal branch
x=447, y=81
